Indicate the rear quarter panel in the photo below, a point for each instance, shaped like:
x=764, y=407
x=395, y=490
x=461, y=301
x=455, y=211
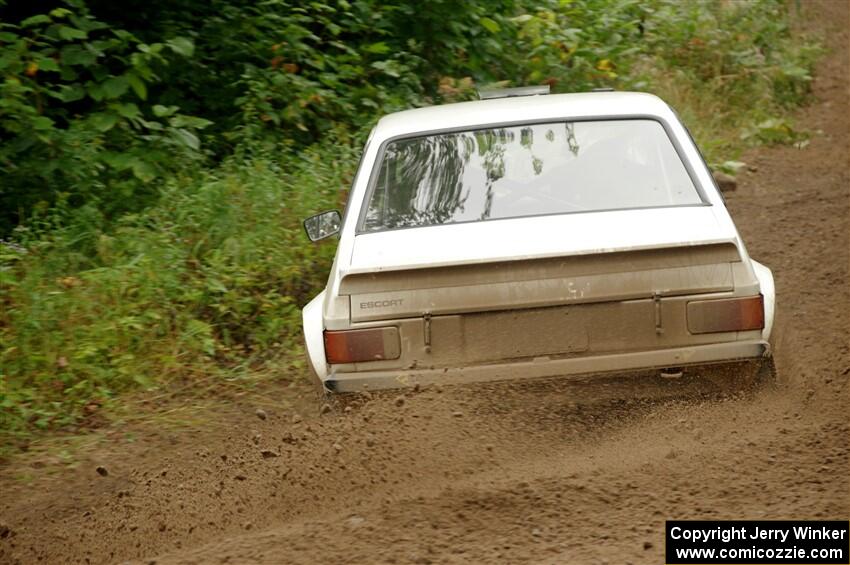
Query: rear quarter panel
x=312, y=319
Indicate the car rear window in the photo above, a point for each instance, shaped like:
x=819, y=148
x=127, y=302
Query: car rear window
x=526, y=170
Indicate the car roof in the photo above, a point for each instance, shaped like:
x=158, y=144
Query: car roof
x=480, y=113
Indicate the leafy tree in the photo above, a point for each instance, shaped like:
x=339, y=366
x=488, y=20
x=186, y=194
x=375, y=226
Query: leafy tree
x=77, y=124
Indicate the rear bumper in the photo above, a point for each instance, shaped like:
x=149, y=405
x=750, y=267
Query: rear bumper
x=576, y=366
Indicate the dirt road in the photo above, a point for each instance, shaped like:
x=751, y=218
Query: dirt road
x=548, y=473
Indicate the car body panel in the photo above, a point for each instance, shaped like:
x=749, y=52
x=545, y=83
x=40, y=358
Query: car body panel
x=642, y=362
x=511, y=295
x=314, y=345
x=768, y=290
x=540, y=236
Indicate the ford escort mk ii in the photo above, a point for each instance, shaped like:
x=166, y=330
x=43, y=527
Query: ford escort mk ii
x=532, y=236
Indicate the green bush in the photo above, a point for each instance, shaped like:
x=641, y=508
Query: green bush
x=89, y=106
x=726, y=67
x=76, y=121
x=208, y=283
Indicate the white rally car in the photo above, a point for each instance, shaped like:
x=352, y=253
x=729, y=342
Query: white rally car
x=529, y=236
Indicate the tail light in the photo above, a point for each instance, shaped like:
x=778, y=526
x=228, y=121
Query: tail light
x=726, y=315
x=355, y=346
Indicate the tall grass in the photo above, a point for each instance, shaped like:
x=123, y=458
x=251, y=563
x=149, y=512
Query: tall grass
x=733, y=71
x=207, y=283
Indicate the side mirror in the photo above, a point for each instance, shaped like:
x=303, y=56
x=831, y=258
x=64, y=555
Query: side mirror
x=322, y=225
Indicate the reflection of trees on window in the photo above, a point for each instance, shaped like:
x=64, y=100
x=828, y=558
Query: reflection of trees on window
x=491, y=149
x=572, y=142
x=426, y=185
x=527, y=170
x=491, y=146
x=527, y=141
x=421, y=180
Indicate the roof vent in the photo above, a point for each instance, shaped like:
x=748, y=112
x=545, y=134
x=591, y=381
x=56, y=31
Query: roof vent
x=513, y=92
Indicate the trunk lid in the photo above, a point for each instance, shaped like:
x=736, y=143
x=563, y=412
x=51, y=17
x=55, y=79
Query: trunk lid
x=538, y=262
x=535, y=237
